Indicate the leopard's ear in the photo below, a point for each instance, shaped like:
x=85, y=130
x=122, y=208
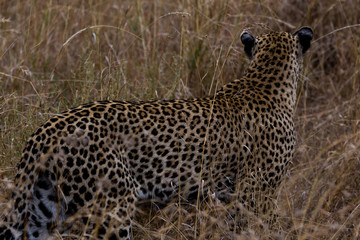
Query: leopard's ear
x=305, y=35
x=249, y=43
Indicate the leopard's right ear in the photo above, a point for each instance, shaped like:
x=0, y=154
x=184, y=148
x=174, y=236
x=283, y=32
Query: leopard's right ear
x=249, y=43
x=305, y=35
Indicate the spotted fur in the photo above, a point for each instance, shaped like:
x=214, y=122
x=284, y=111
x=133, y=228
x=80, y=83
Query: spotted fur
x=92, y=163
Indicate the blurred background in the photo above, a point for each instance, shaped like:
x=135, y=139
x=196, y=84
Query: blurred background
x=58, y=54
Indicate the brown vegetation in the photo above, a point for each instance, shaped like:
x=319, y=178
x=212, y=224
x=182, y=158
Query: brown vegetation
x=59, y=54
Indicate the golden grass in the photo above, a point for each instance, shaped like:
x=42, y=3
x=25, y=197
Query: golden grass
x=55, y=55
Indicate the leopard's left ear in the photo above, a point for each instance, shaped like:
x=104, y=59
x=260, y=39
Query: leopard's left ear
x=305, y=35
x=249, y=42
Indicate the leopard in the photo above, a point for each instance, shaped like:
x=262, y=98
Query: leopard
x=93, y=163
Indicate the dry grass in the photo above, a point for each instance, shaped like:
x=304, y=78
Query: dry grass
x=59, y=54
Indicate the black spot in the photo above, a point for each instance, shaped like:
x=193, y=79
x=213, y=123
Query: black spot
x=78, y=199
x=154, y=132
x=101, y=231
x=150, y=186
x=80, y=162
x=74, y=151
x=69, y=162
x=78, y=179
x=88, y=196
x=53, y=198
x=35, y=234
x=71, y=129
x=48, y=124
x=149, y=174
x=85, y=173
x=43, y=184
x=71, y=208
x=7, y=234
x=178, y=106
x=65, y=150
x=34, y=151
x=44, y=210
x=123, y=233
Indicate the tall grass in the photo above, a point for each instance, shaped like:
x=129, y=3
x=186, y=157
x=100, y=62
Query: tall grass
x=59, y=54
